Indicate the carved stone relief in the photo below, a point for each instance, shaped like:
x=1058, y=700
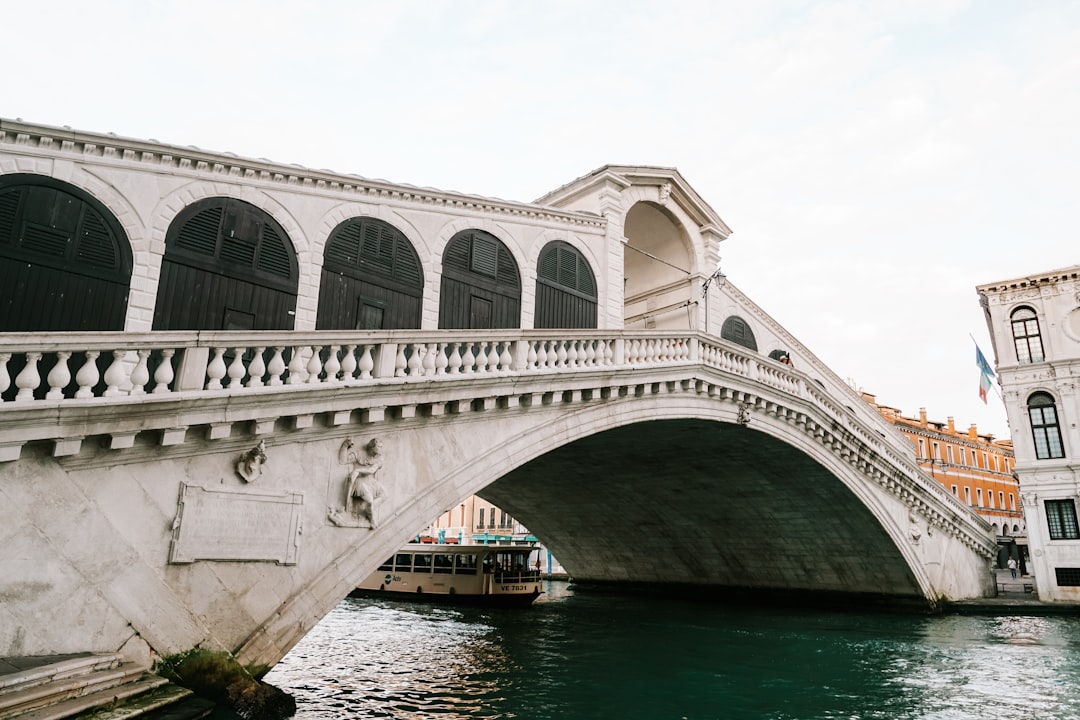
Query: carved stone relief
x=353, y=499
x=251, y=463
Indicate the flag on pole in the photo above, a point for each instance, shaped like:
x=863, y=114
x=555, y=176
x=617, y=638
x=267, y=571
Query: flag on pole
x=985, y=373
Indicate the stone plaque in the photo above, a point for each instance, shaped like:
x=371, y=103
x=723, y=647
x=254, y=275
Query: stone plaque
x=239, y=526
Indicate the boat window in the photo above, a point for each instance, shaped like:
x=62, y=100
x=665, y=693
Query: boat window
x=388, y=565
x=422, y=563
x=403, y=562
x=466, y=565
x=444, y=563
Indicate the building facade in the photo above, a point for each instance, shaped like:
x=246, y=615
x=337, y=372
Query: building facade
x=1034, y=324
x=974, y=467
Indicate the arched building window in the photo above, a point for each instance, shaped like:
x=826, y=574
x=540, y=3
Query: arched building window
x=1045, y=428
x=737, y=331
x=1026, y=337
x=371, y=278
x=481, y=286
x=236, y=261
x=65, y=262
x=565, y=288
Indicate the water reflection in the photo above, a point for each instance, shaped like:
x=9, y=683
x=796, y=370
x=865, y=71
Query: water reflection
x=597, y=656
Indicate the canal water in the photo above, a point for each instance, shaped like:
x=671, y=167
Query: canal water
x=585, y=654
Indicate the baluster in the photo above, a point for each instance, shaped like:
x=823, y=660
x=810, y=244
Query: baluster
x=631, y=351
x=87, y=376
x=114, y=374
x=506, y=359
x=481, y=357
x=366, y=363
x=216, y=370
x=531, y=357
x=590, y=353
x=468, y=359
x=453, y=363
x=541, y=355
x=609, y=353
x=296, y=367
x=256, y=369
x=399, y=361
x=314, y=364
x=348, y=364
x=441, y=360
x=163, y=374
x=276, y=367
x=5, y=376
x=236, y=368
x=333, y=365
x=59, y=377
x=650, y=351
x=493, y=356
x=571, y=354
x=141, y=374
x=562, y=355
x=429, y=359
x=28, y=380
x=416, y=360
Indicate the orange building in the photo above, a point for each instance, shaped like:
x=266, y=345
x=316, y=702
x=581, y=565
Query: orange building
x=975, y=468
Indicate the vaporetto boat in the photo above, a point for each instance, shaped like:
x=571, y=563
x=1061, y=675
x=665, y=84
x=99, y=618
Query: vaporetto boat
x=481, y=574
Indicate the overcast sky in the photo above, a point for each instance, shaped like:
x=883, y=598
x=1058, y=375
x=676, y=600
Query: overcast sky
x=876, y=160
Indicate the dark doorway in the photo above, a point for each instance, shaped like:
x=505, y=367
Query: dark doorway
x=371, y=279
x=480, y=283
x=228, y=265
x=65, y=262
x=565, y=288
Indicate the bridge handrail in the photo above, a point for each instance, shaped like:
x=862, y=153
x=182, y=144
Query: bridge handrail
x=117, y=364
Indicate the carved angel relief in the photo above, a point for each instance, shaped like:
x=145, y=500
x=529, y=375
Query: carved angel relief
x=361, y=488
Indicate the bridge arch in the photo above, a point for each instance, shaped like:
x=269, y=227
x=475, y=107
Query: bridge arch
x=880, y=546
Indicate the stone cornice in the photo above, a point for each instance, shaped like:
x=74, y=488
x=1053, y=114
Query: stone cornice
x=18, y=136
x=1053, y=277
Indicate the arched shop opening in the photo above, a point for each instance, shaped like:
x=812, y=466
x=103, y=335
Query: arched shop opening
x=565, y=288
x=481, y=285
x=65, y=262
x=228, y=266
x=371, y=279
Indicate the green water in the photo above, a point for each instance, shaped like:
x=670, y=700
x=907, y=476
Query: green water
x=588, y=655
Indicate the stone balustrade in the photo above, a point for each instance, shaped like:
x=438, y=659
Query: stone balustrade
x=35, y=368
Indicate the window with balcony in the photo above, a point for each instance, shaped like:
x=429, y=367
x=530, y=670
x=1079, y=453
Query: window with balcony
x=1026, y=337
x=1044, y=426
x=1061, y=520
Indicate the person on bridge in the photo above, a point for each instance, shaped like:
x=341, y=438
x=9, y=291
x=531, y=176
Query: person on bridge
x=1012, y=566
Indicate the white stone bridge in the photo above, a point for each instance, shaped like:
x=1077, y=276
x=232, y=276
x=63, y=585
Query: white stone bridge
x=162, y=488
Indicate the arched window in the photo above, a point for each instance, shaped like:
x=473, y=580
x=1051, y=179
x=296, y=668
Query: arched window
x=65, y=262
x=737, y=331
x=1045, y=427
x=1026, y=337
x=481, y=286
x=565, y=288
x=239, y=263
x=371, y=278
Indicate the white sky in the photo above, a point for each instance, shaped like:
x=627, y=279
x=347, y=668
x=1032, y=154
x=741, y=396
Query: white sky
x=876, y=160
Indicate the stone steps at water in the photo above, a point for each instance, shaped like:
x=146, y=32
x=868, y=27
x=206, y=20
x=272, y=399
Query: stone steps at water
x=97, y=685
